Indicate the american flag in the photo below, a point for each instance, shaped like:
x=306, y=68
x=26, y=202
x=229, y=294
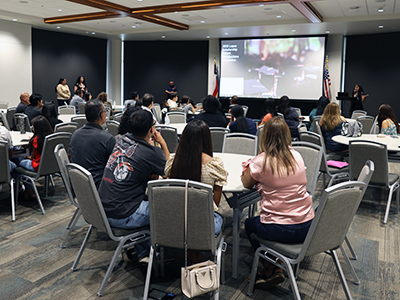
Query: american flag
x=327, y=80
x=215, y=92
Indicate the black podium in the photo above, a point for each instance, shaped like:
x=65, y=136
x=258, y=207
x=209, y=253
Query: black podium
x=345, y=104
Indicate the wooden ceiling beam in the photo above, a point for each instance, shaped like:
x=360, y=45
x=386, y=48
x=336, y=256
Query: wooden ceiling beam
x=105, y=5
x=81, y=17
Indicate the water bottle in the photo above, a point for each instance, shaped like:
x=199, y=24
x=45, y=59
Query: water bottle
x=21, y=124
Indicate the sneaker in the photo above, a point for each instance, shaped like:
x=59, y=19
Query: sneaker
x=270, y=282
x=129, y=255
x=144, y=260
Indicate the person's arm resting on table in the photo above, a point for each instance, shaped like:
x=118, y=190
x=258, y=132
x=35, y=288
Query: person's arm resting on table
x=247, y=180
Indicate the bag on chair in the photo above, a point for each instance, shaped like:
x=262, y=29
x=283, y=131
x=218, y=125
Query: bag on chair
x=200, y=278
x=354, y=129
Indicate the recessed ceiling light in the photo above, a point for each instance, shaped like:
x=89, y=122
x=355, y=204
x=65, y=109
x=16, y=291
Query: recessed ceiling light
x=279, y=17
x=93, y=32
x=381, y=10
x=208, y=36
x=202, y=21
x=139, y=0
x=354, y=8
x=327, y=31
x=59, y=9
x=380, y=26
x=58, y=27
x=15, y=20
x=87, y=31
x=134, y=26
x=163, y=36
x=226, y=33
x=293, y=30
x=175, y=12
x=261, y=5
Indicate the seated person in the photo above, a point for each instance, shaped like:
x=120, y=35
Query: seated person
x=269, y=111
x=5, y=137
x=331, y=125
x=135, y=161
x=212, y=114
x=35, y=108
x=148, y=103
x=290, y=114
x=322, y=103
x=234, y=100
x=50, y=113
x=279, y=175
x=132, y=101
x=387, y=120
x=240, y=123
x=103, y=97
x=187, y=104
x=173, y=100
x=77, y=98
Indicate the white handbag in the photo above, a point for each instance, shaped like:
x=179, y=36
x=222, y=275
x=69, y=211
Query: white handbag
x=200, y=278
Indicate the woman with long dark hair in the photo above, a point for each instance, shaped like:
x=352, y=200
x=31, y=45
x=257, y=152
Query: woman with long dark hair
x=290, y=114
x=280, y=177
x=269, y=111
x=50, y=113
x=240, y=123
x=194, y=160
x=80, y=84
x=387, y=120
x=322, y=103
x=359, y=98
x=41, y=129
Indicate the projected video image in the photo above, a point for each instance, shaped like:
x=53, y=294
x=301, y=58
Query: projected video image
x=263, y=68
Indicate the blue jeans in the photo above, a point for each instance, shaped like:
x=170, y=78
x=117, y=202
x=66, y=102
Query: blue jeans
x=138, y=219
x=12, y=166
x=293, y=233
x=217, y=223
x=27, y=164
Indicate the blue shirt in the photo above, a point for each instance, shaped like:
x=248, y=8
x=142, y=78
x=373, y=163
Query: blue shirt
x=250, y=122
x=171, y=88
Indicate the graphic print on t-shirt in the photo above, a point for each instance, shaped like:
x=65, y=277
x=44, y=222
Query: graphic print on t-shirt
x=117, y=163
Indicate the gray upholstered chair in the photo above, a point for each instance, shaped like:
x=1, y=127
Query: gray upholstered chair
x=361, y=150
x=10, y=116
x=26, y=121
x=240, y=143
x=312, y=155
x=118, y=117
x=314, y=121
x=3, y=105
x=94, y=214
x=156, y=109
x=66, y=127
x=332, y=220
x=176, y=117
x=4, y=121
x=6, y=181
x=81, y=120
x=217, y=137
x=48, y=164
x=259, y=133
x=280, y=115
x=245, y=110
x=358, y=113
x=298, y=110
x=170, y=135
x=167, y=212
x=62, y=161
x=81, y=108
x=66, y=110
x=367, y=123
x=112, y=127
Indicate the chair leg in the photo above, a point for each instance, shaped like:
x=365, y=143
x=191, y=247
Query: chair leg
x=12, y=181
x=353, y=272
x=46, y=185
x=52, y=181
x=78, y=257
x=162, y=261
x=117, y=252
x=341, y=275
x=254, y=269
x=36, y=193
x=353, y=253
x=389, y=202
x=148, y=275
x=74, y=219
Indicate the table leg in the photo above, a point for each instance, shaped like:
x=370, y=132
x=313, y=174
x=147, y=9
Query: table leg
x=235, y=242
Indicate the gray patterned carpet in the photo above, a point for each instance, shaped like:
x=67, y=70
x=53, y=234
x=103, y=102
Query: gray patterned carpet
x=33, y=266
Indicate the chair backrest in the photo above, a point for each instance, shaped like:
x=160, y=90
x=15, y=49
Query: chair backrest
x=311, y=137
x=312, y=156
x=81, y=120
x=156, y=109
x=5, y=176
x=360, y=151
x=66, y=110
x=176, y=117
x=245, y=109
x=217, y=137
x=48, y=164
x=178, y=109
x=321, y=136
x=66, y=127
x=26, y=121
x=112, y=127
x=10, y=116
x=302, y=127
x=333, y=217
x=280, y=115
x=315, y=120
x=4, y=121
x=62, y=161
x=240, y=143
x=367, y=122
x=88, y=198
x=118, y=117
x=358, y=113
x=298, y=110
x=170, y=135
x=3, y=105
x=167, y=214
x=259, y=133
x=81, y=108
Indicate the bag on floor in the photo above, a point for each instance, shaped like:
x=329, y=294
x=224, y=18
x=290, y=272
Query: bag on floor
x=199, y=279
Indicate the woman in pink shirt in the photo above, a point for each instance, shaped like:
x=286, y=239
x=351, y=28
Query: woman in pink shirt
x=279, y=175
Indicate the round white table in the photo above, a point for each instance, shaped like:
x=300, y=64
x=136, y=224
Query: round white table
x=19, y=139
x=392, y=142
x=179, y=127
x=67, y=117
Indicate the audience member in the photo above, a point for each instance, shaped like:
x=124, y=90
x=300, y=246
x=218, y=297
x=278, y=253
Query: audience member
x=132, y=101
x=35, y=107
x=269, y=111
x=41, y=129
x=76, y=99
x=103, y=97
x=147, y=104
x=135, y=160
x=63, y=93
x=172, y=101
x=322, y=103
x=331, y=125
x=24, y=98
x=240, y=123
x=387, y=120
x=194, y=160
x=290, y=114
x=50, y=113
x=90, y=145
x=87, y=96
x=234, y=100
x=280, y=177
x=187, y=104
x=212, y=114
x=80, y=84
x=5, y=137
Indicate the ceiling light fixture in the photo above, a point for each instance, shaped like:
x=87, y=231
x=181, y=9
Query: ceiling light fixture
x=139, y=0
x=175, y=12
x=380, y=10
x=15, y=20
x=59, y=9
x=134, y=26
x=293, y=30
x=261, y=5
x=163, y=36
x=202, y=21
x=226, y=33
x=93, y=32
x=327, y=31
x=208, y=36
x=279, y=17
x=58, y=27
x=380, y=26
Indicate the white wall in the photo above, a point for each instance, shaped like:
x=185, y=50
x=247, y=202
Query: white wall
x=334, y=51
x=15, y=61
x=213, y=52
x=114, y=54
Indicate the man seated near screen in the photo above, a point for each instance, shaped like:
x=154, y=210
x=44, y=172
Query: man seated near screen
x=147, y=104
x=135, y=161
